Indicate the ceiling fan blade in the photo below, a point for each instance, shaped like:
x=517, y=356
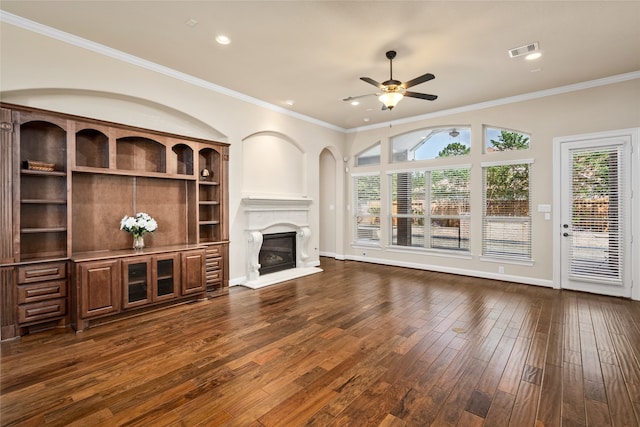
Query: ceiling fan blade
x=423, y=78
x=421, y=96
x=372, y=82
x=353, y=98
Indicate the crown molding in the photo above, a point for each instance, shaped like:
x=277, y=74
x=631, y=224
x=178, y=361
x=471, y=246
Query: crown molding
x=509, y=100
x=65, y=37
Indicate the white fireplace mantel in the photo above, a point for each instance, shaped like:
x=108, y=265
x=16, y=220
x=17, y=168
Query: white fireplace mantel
x=276, y=214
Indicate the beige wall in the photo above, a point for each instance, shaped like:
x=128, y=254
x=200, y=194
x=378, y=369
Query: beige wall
x=615, y=106
x=43, y=72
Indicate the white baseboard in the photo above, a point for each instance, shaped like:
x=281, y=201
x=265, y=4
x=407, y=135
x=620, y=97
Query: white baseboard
x=460, y=271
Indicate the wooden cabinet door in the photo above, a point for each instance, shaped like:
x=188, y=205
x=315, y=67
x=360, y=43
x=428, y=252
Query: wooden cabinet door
x=99, y=288
x=193, y=272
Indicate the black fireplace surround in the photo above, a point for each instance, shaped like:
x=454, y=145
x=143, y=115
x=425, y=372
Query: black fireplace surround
x=278, y=252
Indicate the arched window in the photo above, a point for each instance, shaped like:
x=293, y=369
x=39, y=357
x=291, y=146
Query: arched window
x=431, y=143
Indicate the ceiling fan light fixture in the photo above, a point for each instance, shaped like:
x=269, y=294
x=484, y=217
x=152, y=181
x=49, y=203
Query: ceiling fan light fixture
x=390, y=99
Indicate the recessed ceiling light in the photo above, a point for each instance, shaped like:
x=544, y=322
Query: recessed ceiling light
x=355, y=103
x=366, y=119
x=222, y=39
x=532, y=56
x=290, y=102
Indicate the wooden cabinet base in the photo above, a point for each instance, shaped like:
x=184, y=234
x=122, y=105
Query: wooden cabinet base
x=116, y=284
x=85, y=324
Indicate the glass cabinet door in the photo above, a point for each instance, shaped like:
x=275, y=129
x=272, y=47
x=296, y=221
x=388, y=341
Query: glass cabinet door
x=136, y=282
x=165, y=277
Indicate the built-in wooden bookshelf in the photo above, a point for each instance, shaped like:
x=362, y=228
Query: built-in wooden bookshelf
x=74, y=178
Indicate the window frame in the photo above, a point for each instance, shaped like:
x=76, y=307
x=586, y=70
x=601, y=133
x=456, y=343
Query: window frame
x=398, y=158
x=358, y=159
x=486, y=140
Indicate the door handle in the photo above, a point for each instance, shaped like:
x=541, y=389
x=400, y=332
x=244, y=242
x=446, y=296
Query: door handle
x=566, y=234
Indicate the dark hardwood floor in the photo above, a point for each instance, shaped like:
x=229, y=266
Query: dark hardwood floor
x=357, y=345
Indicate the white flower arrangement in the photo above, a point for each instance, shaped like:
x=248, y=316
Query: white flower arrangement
x=139, y=224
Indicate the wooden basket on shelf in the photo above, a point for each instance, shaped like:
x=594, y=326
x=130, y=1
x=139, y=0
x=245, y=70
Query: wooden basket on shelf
x=39, y=166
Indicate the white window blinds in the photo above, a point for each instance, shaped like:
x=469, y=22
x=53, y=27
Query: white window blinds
x=506, y=228
x=430, y=209
x=597, y=223
x=367, y=208
x=450, y=209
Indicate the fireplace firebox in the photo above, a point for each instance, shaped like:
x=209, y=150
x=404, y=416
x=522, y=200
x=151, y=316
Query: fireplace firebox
x=277, y=253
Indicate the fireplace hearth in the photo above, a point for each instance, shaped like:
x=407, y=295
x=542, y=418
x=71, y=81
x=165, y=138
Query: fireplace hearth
x=278, y=252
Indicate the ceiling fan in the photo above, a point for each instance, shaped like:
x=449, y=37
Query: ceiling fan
x=392, y=91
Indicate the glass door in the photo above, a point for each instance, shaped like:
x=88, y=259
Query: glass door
x=596, y=216
x=165, y=276
x=136, y=279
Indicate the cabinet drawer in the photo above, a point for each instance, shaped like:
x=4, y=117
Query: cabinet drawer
x=42, y=310
x=214, y=251
x=42, y=291
x=213, y=276
x=213, y=263
x=42, y=272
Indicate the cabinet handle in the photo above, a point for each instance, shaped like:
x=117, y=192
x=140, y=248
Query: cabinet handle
x=43, y=291
x=42, y=272
x=43, y=310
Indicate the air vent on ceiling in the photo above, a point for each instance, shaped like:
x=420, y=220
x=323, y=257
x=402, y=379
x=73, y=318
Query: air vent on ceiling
x=523, y=50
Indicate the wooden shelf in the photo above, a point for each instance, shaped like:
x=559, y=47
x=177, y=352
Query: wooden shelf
x=208, y=183
x=44, y=201
x=43, y=230
x=126, y=172
x=43, y=256
x=42, y=173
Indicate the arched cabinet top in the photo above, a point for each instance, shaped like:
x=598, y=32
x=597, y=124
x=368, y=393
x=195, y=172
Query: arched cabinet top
x=98, y=146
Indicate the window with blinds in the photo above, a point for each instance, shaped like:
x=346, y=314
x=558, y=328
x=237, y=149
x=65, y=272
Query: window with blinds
x=430, y=209
x=506, y=216
x=597, y=224
x=367, y=208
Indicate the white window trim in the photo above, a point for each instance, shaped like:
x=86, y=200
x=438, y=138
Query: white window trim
x=444, y=253
x=507, y=163
x=431, y=168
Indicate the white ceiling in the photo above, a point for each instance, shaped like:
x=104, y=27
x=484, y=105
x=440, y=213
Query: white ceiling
x=314, y=52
